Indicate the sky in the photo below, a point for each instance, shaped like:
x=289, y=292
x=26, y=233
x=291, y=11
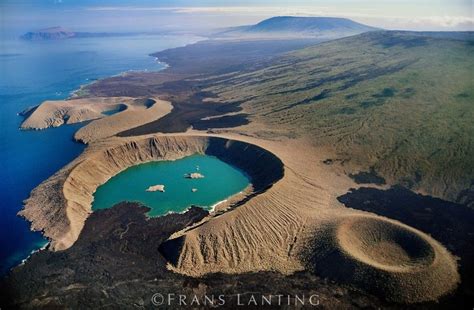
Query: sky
x=19, y=16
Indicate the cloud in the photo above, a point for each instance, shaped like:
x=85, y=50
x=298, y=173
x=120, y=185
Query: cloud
x=444, y=21
x=422, y=23
x=254, y=10
x=372, y=17
x=261, y=10
x=129, y=8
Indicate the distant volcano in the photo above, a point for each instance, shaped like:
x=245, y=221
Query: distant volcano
x=301, y=26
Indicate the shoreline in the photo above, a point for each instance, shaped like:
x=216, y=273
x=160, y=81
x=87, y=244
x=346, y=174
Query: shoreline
x=71, y=95
x=75, y=93
x=288, y=223
x=25, y=260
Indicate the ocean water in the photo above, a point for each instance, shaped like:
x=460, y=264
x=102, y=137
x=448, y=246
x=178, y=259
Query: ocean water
x=31, y=72
x=220, y=181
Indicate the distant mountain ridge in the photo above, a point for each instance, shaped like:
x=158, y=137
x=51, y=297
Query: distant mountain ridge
x=301, y=26
x=52, y=33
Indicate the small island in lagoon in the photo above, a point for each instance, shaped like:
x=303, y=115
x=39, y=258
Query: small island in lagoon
x=156, y=188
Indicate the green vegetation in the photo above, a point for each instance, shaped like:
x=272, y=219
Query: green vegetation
x=399, y=102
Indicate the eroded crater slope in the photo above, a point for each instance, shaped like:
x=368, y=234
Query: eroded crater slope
x=287, y=224
x=61, y=215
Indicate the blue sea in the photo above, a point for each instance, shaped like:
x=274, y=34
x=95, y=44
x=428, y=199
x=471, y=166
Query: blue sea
x=31, y=72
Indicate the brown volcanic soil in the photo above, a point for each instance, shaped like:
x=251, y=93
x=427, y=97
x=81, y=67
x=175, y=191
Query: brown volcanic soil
x=450, y=223
x=386, y=258
x=272, y=229
x=116, y=263
x=126, y=113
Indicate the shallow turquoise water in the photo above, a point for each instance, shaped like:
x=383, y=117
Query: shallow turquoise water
x=220, y=181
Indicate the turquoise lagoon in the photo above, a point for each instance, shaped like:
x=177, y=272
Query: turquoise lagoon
x=220, y=181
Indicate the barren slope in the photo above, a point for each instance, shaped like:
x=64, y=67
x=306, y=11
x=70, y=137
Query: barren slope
x=289, y=212
x=110, y=115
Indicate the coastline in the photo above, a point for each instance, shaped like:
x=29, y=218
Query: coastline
x=69, y=94
x=44, y=247
x=288, y=224
x=165, y=65
x=82, y=88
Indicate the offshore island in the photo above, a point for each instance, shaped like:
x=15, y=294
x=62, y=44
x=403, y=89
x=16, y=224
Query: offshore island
x=305, y=118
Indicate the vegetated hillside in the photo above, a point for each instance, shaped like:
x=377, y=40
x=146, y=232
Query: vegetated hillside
x=302, y=26
x=399, y=102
